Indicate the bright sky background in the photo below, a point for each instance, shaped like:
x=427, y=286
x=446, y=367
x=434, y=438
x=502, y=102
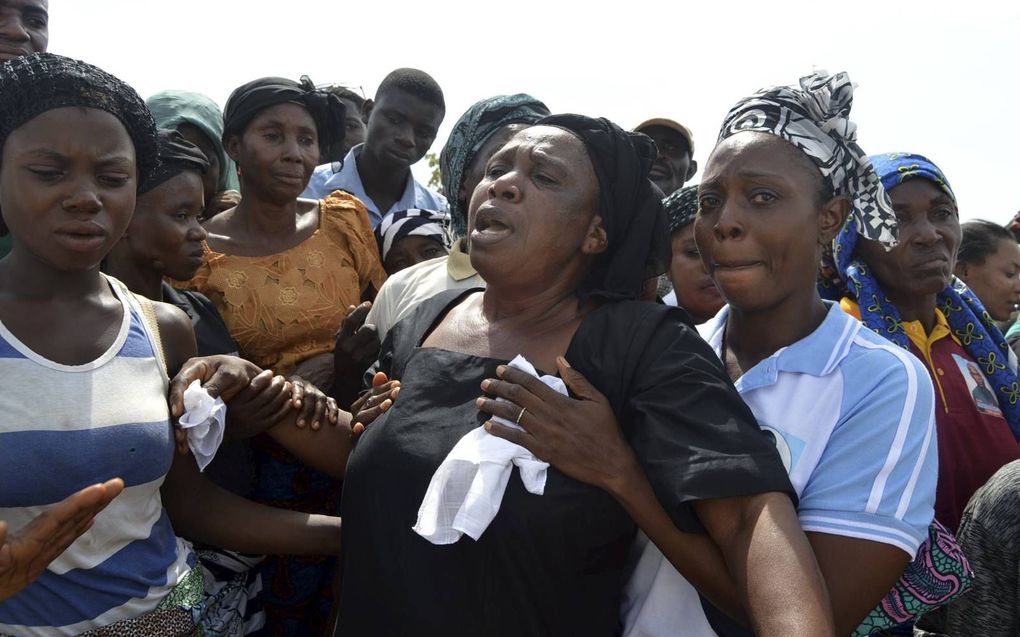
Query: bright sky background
x=932, y=78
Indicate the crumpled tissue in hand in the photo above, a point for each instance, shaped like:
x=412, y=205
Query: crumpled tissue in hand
x=204, y=419
x=467, y=489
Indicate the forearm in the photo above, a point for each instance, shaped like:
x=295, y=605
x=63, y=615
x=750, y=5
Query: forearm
x=693, y=555
x=766, y=545
x=325, y=449
x=203, y=512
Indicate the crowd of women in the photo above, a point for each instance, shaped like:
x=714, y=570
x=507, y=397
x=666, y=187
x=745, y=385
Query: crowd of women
x=815, y=433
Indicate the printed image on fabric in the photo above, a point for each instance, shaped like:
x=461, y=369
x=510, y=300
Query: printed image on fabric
x=788, y=445
x=982, y=394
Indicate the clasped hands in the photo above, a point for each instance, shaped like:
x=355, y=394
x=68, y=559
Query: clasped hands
x=257, y=399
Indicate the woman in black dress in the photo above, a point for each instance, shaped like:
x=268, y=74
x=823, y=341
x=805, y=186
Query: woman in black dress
x=567, y=229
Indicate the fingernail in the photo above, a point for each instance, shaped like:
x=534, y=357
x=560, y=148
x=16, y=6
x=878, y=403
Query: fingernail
x=488, y=426
x=301, y=422
x=486, y=383
x=563, y=361
x=479, y=402
x=500, y=370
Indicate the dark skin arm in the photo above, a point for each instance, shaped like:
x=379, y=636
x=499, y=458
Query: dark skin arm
x=755, y=540
x=327, y=450
x=257, y=400
x=200, y=510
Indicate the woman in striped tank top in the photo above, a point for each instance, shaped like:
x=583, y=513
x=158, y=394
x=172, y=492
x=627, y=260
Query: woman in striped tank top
x=85, y=385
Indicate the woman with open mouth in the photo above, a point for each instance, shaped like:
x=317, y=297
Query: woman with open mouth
x=567, y=229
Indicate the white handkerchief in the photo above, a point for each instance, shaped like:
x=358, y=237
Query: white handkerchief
x=205, y=418
x=467, y=489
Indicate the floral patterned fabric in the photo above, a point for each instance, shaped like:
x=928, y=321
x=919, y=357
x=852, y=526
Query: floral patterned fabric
x=939, y=574
x=282, y=309
x=286, y=307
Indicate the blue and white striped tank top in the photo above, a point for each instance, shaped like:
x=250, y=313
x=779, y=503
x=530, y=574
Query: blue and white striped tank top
x=65, y=427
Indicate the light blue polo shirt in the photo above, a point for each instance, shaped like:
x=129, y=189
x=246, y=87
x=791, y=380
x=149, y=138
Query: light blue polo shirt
x=334, y=176
x=853, y=419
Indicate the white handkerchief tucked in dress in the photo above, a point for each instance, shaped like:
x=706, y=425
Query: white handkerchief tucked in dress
x=467, y=489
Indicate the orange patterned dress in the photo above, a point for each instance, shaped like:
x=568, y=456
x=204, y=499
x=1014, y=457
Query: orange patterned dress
x=282, y=309
x=286, y=307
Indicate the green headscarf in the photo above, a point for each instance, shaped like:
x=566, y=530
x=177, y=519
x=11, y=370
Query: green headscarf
x=470, y=133
x=173, y=108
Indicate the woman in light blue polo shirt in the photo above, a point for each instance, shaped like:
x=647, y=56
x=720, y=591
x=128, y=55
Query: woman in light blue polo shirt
x=851, y=414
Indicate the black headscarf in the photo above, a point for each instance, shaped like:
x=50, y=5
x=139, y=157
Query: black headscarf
x=681, y=207
x=176, y=155
x=40, y=82
x=250, y=99
x=631, y=211
x=33, y=84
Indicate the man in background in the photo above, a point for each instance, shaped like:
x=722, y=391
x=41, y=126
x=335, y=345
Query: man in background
x=675, y=163
x=403, y=121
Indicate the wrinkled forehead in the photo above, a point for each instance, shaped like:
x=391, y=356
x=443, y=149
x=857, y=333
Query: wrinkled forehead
x=551, y=141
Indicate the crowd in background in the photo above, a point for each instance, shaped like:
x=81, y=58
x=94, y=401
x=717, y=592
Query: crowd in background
x=781, y=401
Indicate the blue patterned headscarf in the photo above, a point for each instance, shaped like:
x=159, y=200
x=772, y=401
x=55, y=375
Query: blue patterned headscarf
x=967, y=318
x=470, y=133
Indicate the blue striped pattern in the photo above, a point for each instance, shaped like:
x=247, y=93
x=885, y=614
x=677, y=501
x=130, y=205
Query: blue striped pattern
x=63, y=428
x=78, y=595
x=82, y=457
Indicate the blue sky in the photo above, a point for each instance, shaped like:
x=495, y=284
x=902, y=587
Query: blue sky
x=932, y=78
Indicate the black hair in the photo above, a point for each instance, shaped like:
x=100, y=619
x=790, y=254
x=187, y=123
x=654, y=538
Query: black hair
x=345, y=93
x=980, y=240
x=417, y=83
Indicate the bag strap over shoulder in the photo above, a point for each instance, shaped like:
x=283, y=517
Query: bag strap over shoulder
x=149, y=316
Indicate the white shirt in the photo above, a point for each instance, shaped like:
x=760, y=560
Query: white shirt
x=344, y=176
x=404, y=290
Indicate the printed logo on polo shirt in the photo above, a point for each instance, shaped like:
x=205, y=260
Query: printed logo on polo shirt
x=789, y=446
x=978, y=386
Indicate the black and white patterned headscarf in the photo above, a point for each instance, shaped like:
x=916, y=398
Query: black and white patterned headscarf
x=814, y=118
x=413, y=222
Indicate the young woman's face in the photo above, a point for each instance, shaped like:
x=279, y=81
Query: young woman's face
x=277, y=152
x=996, y=282
x=760, y=224
x=695, y=290
x=165, y=233
x=412, y=250
x=67, y=186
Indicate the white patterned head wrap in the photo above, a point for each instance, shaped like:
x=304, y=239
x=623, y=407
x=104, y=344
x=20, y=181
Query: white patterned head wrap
x=815, y=119
x=412, y=222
